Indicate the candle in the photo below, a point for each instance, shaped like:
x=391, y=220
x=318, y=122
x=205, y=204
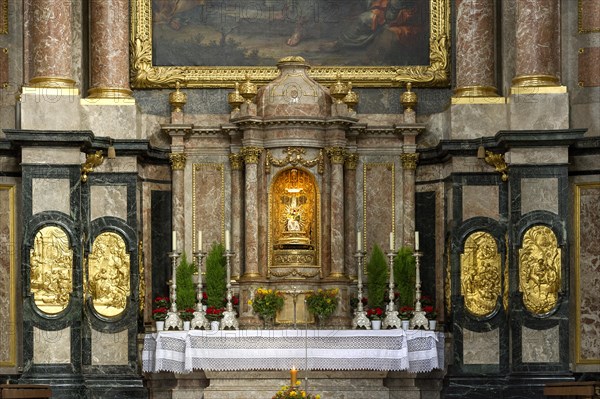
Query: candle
x=416, y=240
x=227, y=241
x=359, y=241
x=293, y=376
x=174, y=240
x=392, y=240
x=199, y=241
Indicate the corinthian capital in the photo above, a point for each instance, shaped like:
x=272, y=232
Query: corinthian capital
x=336, y=154
x=251, y=154
x=409, y=160
x=177, y=160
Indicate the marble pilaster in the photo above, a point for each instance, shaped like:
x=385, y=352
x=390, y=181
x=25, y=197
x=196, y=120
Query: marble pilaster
x=350, y=214
x=336, y=155
x=109, y=49
x=475, y=49
x=537, y=43
x=251, y=156
x=409, y=166
x=51, y=44
x=178, y=161
x=236, y=209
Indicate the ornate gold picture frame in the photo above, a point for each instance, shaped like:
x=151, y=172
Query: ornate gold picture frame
x=3, y=17
x=158, y=27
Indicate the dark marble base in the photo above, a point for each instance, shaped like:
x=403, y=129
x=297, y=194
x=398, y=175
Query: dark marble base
x=505, y=387
x=63, y=386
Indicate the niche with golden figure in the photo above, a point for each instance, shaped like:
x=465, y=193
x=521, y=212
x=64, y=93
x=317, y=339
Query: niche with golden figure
x=539, y=270
x=108, y=271
x=480, y=266
x=293, y=224
x=51, y=275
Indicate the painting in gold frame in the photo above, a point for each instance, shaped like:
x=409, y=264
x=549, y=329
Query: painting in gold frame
x=331, y=41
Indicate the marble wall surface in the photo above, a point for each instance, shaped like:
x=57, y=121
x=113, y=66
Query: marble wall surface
x=481, y=347
x=52, y=347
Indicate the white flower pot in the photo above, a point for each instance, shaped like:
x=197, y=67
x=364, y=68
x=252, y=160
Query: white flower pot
x=186, y=325
x=160, y=325
x=432, y=324
x=376, y=324
x=214, y=325
x=405, y=324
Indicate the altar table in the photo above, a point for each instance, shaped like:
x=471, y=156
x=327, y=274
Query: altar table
x=230, y=350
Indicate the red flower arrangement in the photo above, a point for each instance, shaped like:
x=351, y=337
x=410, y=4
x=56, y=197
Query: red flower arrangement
x=214, y=313
x=375, y=313
x=406, y=312
x=187, y=314
x=160, y=309
x=429, y=312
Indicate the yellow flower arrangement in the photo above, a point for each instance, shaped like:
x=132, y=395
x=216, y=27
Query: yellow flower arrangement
x=322, y=303
x=293, y=392
x=267, y=302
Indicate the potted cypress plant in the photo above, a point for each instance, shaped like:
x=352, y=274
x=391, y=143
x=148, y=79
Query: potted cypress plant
x=216, y=286
x=377, y=279
x=186, y=291
x=405, y=271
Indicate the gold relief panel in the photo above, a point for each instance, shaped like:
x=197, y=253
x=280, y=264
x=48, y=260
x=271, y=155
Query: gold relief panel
x=539, y=269
x=51, y=269
x=109, y=274
x=409, y=43
x=480, y=275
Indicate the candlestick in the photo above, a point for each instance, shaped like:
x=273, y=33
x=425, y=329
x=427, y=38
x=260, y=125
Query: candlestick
x=359, y=241
x=227, y=241
x=416, y=240
x=199, y=241
x=392, y=240
x=293, y=376
x=174, y=238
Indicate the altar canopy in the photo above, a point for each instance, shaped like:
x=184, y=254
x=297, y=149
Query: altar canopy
x=385, y=350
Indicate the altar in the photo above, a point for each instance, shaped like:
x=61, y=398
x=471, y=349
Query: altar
x=221, y=363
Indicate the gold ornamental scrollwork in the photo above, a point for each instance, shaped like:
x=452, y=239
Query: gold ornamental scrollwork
x=178, y=160
x=51, y=269
x=295, y=156
x=251, y=154
x=409, y=160
x=236, y=161
x=108, y=281
x=91, y=162
x=351, y=161
x=142, y=277
x=481, y=277
x=539, y=269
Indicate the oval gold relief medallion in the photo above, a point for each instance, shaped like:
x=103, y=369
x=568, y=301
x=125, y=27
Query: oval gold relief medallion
x=480, y=273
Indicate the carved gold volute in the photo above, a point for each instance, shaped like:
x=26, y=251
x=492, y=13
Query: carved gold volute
x=251, y=155
x=91, y=162
x=351, y=161
x=236, y=161
x=539, y=269
x=481, y=277
x=336, y=154
x=409, y=160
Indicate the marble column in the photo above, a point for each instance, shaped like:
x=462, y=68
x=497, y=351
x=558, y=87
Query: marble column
x=178, y=160
x=537, y=43
x=236, y=211
x=351, y=217
x=109, y=49
x=336, y=156
x=475, y=49
x=409, y=166
x=51, y=47
x=251, y=157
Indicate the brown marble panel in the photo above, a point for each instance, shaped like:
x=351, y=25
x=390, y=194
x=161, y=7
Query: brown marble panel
x=589, y=73
x=539, y=194
x=473, y=205
x=3, y=67
x=378, y=180
x=7, y=277
x=588, y=272
x=589, y=16
x=208, y=202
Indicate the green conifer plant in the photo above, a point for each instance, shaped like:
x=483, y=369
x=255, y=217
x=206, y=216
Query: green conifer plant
x=377, y=278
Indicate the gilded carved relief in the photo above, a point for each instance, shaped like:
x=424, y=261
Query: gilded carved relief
x=51, y=269
x=480, y=273
x=539, y=269
x=109, y=274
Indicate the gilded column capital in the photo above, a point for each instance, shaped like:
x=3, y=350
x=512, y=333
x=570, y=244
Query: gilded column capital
x=351, y=161
x=409, y=160
x=178, y=160
x=251, y=154
x=336, y=154
x=236, y=161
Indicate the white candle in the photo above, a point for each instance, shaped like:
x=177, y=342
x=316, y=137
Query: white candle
x=174, y=240
x=392, y=241
x=199, y=241
x=416, y=240
x=227, y=241
x=359, y=241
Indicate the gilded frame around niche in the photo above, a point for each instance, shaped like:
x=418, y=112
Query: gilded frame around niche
x=3, y=17
x=146, y=75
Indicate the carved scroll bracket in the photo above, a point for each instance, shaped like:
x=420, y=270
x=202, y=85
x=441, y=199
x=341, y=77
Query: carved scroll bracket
x=295, y=156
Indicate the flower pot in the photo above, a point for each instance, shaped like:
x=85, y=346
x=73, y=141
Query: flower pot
x=432, y=324
x=186, y=325
x=376, y=324
x=405, y=324
x=160, y=325
x=214, y=325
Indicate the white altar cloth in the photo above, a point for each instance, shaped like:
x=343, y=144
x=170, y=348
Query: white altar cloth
x=382, y=350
